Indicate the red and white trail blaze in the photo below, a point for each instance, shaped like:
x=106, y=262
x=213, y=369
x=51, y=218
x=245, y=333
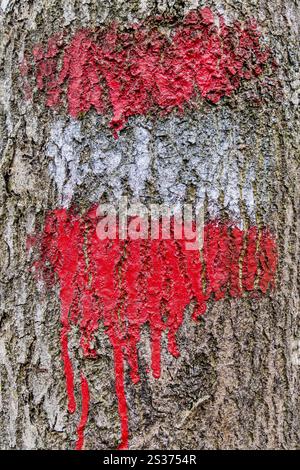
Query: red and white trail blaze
x=121, y=71
x=142, y=68
x=126, y=284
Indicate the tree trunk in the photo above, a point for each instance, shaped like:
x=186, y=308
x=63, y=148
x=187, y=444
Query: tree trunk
x=236, y=381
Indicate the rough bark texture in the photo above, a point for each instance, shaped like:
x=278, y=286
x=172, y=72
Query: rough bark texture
x=235, y=384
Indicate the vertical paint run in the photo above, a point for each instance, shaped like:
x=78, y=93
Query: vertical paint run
x=120, y=392
x=126, y=284
x=85, y=398
x=133, y=70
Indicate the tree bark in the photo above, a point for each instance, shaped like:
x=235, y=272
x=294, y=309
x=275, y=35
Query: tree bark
x=236, y=382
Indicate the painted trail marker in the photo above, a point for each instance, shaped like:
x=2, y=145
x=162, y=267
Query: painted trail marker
x=143, y=69
x=125, y=284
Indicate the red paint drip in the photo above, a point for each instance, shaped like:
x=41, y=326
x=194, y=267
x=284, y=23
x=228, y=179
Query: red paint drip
x=120, y=391
x=143, y=69
x=84, y=412
x=132, y=283
x=154, y=303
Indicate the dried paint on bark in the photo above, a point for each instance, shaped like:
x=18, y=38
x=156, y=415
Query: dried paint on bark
x=235, y=384
x=144, y=69
x=143, y=281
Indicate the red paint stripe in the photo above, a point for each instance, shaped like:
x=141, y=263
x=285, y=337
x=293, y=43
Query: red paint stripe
x=137, y=282
x=144, y=68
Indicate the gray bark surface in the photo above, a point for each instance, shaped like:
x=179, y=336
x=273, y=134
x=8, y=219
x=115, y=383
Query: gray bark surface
x=235, y=384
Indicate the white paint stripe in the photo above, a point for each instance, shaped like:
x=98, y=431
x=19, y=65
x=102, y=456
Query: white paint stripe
x=4, y=4
x=159, y=162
